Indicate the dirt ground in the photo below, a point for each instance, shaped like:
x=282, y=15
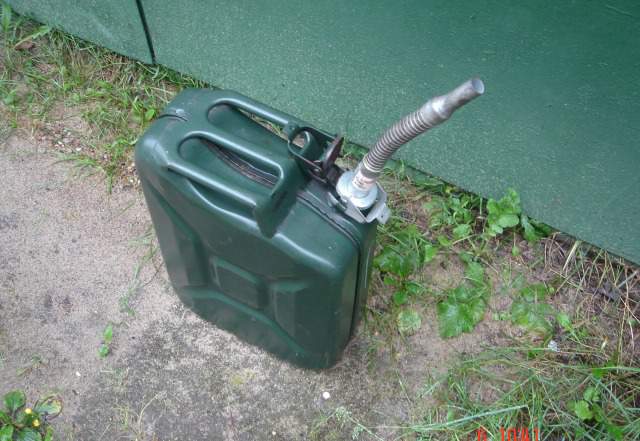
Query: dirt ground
x=68, y=258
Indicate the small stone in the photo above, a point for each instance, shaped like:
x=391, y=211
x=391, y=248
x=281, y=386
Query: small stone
x=326, y=395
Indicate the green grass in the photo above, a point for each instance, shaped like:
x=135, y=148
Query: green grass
x=116, y=96
x=577, y=393
x=145, y=241
x=589, y=389
x=527, y=387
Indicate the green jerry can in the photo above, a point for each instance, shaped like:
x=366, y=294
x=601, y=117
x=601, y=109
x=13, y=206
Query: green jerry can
x=261, y=232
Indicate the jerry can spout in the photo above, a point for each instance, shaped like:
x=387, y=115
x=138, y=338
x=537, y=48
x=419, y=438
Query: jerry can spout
x=359, y=188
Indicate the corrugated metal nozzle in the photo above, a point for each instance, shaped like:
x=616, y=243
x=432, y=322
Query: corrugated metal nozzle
x=435, y=111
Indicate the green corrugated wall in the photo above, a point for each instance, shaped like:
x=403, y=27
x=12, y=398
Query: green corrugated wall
x=560, y=120
x=115, y=24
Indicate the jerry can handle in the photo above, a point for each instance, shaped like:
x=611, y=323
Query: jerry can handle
x=291, y=126
x=268, y=212
x=195, y=105
x=251, y=106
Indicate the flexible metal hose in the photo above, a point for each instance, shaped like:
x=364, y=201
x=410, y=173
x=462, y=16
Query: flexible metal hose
x=434, y=112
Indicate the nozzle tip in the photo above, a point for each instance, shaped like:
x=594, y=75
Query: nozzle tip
x=477, y=85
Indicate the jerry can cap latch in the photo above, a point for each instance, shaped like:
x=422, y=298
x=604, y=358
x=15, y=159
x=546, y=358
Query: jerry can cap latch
x=321, y=169
x=325, y=171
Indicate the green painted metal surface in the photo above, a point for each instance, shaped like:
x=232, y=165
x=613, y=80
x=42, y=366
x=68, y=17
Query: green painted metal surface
x=249, y=239
x=115, y=24
x=560, y=120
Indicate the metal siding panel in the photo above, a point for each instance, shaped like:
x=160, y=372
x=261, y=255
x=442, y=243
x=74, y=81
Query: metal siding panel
x=115, y=24
x=559, y=121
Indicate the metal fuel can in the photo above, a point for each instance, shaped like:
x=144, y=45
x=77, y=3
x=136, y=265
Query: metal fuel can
x=249, y=230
